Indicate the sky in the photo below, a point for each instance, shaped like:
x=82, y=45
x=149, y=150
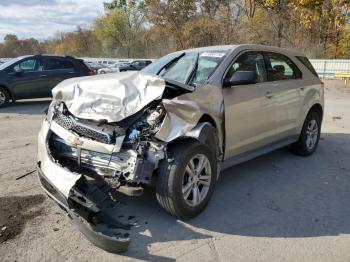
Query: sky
x=41, y=19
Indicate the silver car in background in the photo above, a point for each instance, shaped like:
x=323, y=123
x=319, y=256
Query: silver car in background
x=110, y=69
x=175, y=125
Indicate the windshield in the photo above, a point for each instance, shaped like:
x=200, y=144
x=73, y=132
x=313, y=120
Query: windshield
x=191, y=68
x=10, y=62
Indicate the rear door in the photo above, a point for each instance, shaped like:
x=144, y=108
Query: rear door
x=250, y=117
x=57, y=69
x=286, y=85
x=27, y=79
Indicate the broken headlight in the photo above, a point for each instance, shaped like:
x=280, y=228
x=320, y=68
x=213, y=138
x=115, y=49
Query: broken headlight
x=155, y=116
x=53, y=107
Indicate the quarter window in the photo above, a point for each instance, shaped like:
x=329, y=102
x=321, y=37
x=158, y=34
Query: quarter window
x=250, y=61
x=281, y=67
x=306, y=62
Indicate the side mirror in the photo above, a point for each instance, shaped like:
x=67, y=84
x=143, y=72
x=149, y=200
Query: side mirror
x=18, y=71
x=241, y=78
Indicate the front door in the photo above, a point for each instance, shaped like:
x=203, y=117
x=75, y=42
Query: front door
x=26, y=79
x=250, y=116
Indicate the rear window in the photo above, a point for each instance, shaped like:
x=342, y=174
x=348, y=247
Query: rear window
x=308, y=64
x=57, y=64
x=83, y=66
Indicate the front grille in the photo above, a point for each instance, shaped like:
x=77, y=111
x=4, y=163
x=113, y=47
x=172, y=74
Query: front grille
x=69, y=123
x=70, y=157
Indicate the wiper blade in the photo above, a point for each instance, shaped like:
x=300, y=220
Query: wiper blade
x=171, y=62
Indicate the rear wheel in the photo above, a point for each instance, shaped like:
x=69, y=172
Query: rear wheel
x=186, y=184
x=4, y=97
x=310, y=135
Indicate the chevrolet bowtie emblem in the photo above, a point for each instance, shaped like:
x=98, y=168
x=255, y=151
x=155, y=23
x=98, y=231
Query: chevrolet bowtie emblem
x=75, y=141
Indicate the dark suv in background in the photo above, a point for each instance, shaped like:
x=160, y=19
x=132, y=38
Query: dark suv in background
x=136, y=65
x=34, y=76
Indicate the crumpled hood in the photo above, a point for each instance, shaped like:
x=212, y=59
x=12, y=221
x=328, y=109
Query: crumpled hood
x=111, y=97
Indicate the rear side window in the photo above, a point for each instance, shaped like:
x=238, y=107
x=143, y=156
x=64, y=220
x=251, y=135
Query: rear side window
x=57, y=64
x=67, y=64
x=280, y=67
x=308, y=64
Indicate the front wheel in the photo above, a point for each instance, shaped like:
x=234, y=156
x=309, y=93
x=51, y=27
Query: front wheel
x=186, y=183
x=4, y=97
x=310, y=135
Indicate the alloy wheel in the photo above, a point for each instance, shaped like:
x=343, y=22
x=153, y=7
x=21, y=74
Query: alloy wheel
x=311, y=135
x=196, y=180
x=2, y=98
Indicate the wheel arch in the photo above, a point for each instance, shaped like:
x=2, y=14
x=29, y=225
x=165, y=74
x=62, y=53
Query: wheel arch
x=204, y=132
x=9, y=91
x=318, y=108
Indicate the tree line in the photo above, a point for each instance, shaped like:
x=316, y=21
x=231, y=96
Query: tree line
x=151, y=28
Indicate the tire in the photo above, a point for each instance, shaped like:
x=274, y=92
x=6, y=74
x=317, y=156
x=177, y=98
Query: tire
x=174, y=176
x=309, y=137
x=102, y=72
x=4, y=97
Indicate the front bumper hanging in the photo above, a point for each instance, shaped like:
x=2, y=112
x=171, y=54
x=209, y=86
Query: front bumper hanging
x=87, y=204
x=96, y=224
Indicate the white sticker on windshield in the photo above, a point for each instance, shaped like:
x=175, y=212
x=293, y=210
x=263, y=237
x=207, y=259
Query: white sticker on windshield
x=212, y=54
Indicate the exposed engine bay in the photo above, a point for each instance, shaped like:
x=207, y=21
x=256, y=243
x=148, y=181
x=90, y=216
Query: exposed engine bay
x=134, y=157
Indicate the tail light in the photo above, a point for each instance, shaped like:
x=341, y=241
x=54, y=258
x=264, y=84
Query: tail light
x=322, y=84
x=91, y=73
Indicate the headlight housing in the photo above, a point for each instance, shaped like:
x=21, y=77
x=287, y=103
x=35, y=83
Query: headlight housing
x=52, y=109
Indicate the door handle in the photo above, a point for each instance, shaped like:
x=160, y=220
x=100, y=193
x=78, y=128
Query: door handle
x=302, y=88
x=43, y=76
x=269, y=94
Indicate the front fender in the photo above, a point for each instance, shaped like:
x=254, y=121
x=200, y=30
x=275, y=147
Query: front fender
x=206, y=134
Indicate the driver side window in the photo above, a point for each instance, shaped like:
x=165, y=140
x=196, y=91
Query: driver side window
x=249, y=62
x=26, y=65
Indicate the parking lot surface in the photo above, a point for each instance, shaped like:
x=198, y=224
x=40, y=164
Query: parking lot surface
x=278, y=207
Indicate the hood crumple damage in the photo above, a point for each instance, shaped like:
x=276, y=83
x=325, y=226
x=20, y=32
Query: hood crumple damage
x=111, y=97
x=115, y=97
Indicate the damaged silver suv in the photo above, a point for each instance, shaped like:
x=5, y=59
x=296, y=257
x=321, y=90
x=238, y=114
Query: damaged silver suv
x=175, y=125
